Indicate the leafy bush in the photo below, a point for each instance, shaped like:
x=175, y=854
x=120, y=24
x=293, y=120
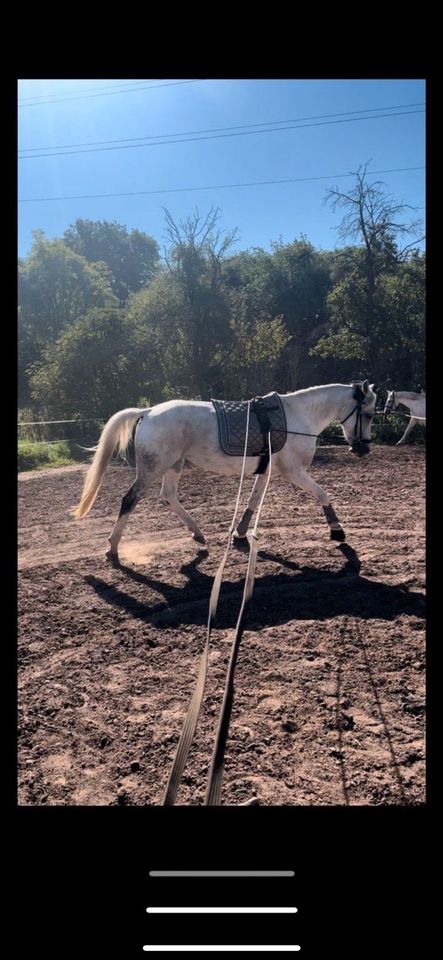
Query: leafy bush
x=392, y=429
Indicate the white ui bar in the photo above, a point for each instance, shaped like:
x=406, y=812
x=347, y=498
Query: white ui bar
x=221, y=909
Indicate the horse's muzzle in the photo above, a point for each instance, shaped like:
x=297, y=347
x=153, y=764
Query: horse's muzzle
x=360, y=448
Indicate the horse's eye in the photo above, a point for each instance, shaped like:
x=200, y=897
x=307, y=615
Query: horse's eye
x=369, y=416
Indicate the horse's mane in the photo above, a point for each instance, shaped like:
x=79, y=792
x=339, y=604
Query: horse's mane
x=318, y=387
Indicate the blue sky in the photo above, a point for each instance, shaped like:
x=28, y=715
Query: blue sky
x=55, y=114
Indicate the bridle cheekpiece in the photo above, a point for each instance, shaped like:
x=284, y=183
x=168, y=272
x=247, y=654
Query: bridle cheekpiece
x=359, y=397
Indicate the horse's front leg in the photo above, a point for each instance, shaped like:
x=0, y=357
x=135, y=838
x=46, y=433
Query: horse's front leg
x=252, y=504
x=411, y=424
x=301, y=479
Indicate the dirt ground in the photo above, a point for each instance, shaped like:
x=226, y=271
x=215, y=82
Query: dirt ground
x=330, y=683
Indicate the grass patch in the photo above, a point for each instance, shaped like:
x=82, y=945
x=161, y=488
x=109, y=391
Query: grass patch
x=35, y=456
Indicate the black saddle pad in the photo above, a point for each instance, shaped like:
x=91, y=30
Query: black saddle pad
x=231, y=415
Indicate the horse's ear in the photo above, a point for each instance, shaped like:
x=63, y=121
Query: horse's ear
x=365, y=386
x=373, y=387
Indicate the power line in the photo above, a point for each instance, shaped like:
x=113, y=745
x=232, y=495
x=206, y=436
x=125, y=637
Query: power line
x=110, y=93
x=119, y=86
x=242, y=126
x=215, y=186
x=222, y=136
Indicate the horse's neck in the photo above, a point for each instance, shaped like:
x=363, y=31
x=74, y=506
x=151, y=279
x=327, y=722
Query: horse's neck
x=402, y=396
x=319, y=406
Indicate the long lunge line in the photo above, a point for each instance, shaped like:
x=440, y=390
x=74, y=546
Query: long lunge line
x=214, y=788
x=190, y=724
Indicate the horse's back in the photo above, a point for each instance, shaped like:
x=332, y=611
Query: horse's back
x=170, y=430
x=178, y=407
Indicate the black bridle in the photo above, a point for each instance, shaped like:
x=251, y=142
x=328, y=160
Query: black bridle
x=358, y=428
x=391, y=407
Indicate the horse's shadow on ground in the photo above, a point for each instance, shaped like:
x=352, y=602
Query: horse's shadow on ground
x=305, y=593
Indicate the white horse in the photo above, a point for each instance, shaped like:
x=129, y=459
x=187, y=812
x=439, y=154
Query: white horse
x=416, y=404
x=179, y=430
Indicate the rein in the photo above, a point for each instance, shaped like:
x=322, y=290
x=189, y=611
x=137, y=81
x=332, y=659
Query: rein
x=213, y=791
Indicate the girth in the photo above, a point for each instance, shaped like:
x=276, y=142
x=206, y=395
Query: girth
x=266, y=414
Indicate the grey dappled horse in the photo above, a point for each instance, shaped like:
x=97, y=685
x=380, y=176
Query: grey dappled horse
x=179, y=430
x=416, y=404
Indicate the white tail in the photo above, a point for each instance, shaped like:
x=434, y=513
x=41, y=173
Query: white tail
x=117, y=432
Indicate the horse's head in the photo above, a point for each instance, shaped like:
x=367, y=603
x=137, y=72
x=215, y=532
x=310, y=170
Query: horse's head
x=390, y=403
x=357, y=424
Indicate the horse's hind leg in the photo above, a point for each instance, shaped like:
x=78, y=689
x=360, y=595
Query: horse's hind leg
x=301, y=479
x=411, y=424
x=129, y=501
x=252, y=504
x=168, y=495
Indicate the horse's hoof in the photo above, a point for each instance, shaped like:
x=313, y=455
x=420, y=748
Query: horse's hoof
x=112, y=557
x=198, y=537
x=338, y=535
x=241, y=543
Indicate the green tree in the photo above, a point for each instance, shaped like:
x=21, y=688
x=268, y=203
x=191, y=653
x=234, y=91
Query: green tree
x=132, y=257
x=259, y=334
x=369, y=282
x=301, y=284
x=56, y=286
x=163, y=345
x=251, y=279
x=251, y=368
x=195, y=261
x=202, y=331
x=91, y=370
